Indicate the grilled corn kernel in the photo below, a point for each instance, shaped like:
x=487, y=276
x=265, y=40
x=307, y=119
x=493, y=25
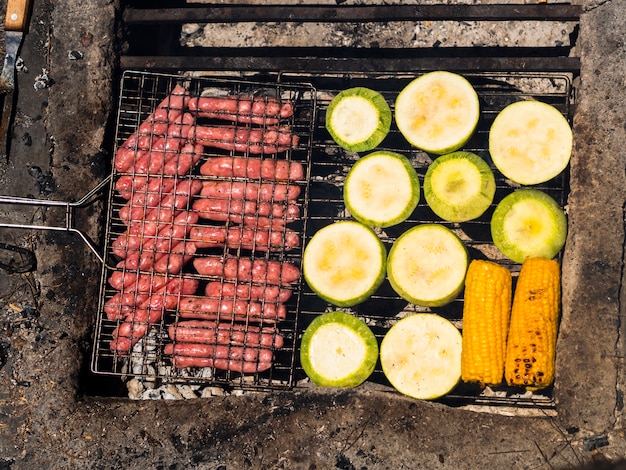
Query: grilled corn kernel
x=486, y=310
x=531, y=347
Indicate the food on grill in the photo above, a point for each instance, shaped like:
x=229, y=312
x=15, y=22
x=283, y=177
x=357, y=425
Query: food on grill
x=242, y=237
x=421, y=356
x=344, y=263
x=253, y=168
x=234, y=365
x=459, y=186
x=178, y=164
x=528, y=223
x=238, y=334
x=530, y=142
x=167, y=111
x=486, y=312
x=230, y=353
x=338, y=350
x=166, y=197
x=137, y=233
x=437, y=112
x=247, y=291
x=427, y=265
x=240, y=210
x=358, y=119
x=265, y=192
x=531, y=345
x=244, y=269
x=208, y=308
x=148, y=313
x=242, y=109
x=243, y=139
x=381, y=189
x=173, y=259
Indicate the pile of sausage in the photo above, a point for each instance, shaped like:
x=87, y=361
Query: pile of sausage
x=228, y=304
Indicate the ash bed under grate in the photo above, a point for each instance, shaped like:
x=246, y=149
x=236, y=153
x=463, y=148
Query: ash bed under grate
x=327, y=165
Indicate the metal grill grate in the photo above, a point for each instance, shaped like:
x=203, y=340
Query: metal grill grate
x=330, y=164
x=133, y=335
x=322, y=203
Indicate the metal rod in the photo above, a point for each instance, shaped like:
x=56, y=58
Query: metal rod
x=352, y=13
x=333, y=64
x=69, y=214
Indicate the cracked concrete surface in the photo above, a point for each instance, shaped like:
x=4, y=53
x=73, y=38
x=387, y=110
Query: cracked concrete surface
x=52, y=417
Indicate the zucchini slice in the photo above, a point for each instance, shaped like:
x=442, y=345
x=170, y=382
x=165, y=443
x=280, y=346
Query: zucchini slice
x=528, y=223
x=338, y=350
x=381, y=189
x=530, y=142
x=437, y=112
x=344, y=263
x=358, y=119
x=427, y=265
x=421, y=356
x=459, y=186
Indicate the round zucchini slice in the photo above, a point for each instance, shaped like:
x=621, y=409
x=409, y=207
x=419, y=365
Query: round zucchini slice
x=427, y=265
x=530, y=142
x=421, y=356
x=381, y=189
x=528, y=223
x=344, y=263
x=338, y=350
x=437, y=112
x=459, y=186
x=358, y=119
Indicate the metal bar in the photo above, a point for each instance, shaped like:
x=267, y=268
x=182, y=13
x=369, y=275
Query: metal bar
x=333, y=64
x=69, y=214
x=352, y=13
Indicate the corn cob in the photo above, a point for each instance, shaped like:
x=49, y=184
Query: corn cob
x=486, y=310
x=531, y=346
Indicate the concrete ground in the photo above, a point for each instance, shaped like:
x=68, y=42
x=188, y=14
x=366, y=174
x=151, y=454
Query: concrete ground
x=54, y=415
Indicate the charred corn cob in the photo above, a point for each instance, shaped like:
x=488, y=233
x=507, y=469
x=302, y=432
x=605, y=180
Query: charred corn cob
x=531, y=346
x=486, y=310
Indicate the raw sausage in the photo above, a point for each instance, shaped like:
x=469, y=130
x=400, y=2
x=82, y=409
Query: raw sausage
x=207, y=308
x=133, y=238
x=233, y=353
x=241, y=139
x=259, y=271
x=253, y=168
x=224, y=364
x=266, y=192
x=167, y=112
x=210, y=332
x=246, y=291
x=238, y=210
x=208, y=236
x=241, y=109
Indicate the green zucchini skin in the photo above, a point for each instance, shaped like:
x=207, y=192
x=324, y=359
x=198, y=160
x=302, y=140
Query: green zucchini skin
x=344, y=122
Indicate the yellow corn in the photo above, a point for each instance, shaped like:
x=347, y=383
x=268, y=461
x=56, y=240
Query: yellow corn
x=486, y=310
x=531, y=346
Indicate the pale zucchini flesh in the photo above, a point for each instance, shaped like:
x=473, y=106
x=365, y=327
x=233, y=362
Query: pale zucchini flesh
x=437, y=112
x=530, y=142
x=358, y=119
x=382, y=189
x=344, y=263
x=427, y=265
x=528, y=223
x=421, y=356
x=338, y=350
x=459, y=186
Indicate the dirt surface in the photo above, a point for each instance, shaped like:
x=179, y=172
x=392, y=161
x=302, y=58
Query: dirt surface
x=54, y=414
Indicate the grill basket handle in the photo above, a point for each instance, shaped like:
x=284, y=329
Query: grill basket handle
x=70, y=207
